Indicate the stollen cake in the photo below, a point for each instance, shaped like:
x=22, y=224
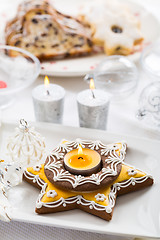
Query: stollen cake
x=40, y=29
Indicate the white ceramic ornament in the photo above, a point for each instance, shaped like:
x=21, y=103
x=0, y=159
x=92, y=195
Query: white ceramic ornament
x=26, y=146
x=5, y=208
x=10, y=176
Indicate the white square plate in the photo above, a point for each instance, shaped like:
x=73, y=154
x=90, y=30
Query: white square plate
x=135, y=214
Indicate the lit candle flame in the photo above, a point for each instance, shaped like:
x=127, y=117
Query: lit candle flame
x=46, y=81
x=46, y=84
x=80, y=150
x=92, y=87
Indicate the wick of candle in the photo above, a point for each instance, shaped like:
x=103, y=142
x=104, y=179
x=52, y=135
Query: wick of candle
x=48, y=93
x=93, y=95
x=80, y=157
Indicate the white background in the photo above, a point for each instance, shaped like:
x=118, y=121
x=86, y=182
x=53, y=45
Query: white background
x=121, y=120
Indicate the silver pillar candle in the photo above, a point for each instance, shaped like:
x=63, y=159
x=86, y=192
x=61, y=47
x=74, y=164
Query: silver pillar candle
x=93, y=108
x=48, y=103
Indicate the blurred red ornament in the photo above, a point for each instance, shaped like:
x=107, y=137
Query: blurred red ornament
x=3, y=84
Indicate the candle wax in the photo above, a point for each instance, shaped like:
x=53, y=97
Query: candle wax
x=86, y=98
x=80, y=161
x=56, y=92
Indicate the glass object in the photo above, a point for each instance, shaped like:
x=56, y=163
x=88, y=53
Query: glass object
x=150, y=60
x=16, y=72
x=149, y=103
x=116, y=75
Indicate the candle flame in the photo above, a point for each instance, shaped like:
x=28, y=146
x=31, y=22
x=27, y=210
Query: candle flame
x=46, y=81
x=46, y=84
x=80, y=150
x=92, y=86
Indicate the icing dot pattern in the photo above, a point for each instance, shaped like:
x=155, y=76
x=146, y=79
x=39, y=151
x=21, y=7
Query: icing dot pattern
x=51, y=194
x=100, y=197
x=37, y=168
x=132, y=172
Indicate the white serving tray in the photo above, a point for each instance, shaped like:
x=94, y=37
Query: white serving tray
x=135, y=214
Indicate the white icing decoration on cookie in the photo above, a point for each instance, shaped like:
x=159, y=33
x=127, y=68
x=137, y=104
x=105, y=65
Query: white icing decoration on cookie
x=95, y=145
x=108, y=209
x=36, y=177
x=32, y=178
x=100, y=197
x=51, y=194
x=37, y=168
x=39, y=204
x=79, y=198
x=109, y=151
x=131, y=172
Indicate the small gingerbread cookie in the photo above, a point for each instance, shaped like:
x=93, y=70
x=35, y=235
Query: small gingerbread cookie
x=100, y=202
x=112, y=157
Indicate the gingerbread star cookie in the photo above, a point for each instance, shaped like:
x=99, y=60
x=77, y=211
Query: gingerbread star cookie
x=108, y=170
x=100, y=202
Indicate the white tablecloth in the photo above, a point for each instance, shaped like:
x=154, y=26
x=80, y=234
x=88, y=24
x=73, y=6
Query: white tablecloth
x=22, y=231
x=121, y=120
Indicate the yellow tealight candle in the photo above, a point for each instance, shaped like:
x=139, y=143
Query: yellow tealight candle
x=82, y=161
